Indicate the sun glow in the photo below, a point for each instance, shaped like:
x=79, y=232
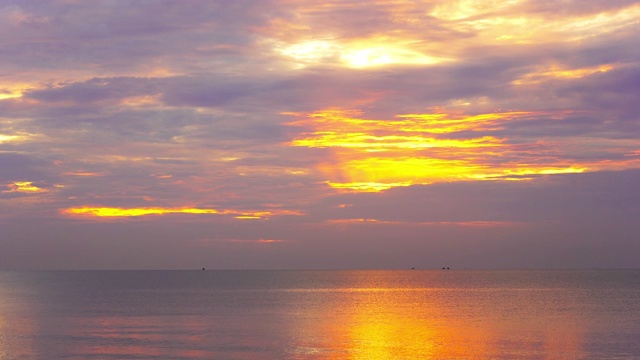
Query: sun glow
x=314, y=50
x=361, y=53
x=385, y=55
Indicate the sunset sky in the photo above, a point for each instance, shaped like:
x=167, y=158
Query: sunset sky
x=288, y=134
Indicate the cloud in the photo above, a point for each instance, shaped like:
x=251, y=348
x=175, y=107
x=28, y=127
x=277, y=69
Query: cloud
x=378, y=154
x=112, y=212
x=23, y=167
x=95, y=90
x=111, y=37
x=208, y=92
x=391, y=126
x=597, y=197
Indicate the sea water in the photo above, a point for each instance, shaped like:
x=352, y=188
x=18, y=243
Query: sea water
x=413, y=314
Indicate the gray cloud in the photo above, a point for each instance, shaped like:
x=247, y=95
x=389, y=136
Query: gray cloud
x=95, y=90
x=23, y=167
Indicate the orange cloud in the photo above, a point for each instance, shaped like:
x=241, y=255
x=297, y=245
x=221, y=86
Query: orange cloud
x=83, y=173
x=259, y=241
x=13, y=90
x=25, y=187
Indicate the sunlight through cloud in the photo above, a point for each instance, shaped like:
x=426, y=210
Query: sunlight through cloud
x=364, y=53
x=376, y=155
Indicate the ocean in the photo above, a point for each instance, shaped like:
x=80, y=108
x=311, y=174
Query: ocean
x=373, y=314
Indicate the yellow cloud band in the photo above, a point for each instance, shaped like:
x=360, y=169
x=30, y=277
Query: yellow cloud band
x=144, y=211
x=376, y=155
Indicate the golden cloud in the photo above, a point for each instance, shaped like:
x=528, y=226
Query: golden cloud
x=25, y=187
x=145, y=211
x=375, y=155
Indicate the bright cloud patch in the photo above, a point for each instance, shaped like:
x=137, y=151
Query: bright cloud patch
x=374, y=155
x=24, y=187
x=7, y=138
x=365, y=53
x=144, y=211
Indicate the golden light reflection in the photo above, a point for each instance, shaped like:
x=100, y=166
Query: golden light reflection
x=390, y=334
x=382, y=319
x=145, y=211
x=375, y=155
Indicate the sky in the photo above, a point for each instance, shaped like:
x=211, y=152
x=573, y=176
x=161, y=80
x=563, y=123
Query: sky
x=339, y=134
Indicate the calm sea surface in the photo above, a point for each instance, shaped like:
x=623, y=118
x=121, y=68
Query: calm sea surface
x=454, y=314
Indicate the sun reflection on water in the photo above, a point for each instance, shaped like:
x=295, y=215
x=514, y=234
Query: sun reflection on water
x=354, y=315
x=378, y=321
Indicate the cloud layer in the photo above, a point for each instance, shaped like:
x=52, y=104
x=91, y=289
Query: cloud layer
x=346, y=133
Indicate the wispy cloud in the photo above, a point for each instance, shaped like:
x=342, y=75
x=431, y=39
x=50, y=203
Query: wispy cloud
x=144, y=211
